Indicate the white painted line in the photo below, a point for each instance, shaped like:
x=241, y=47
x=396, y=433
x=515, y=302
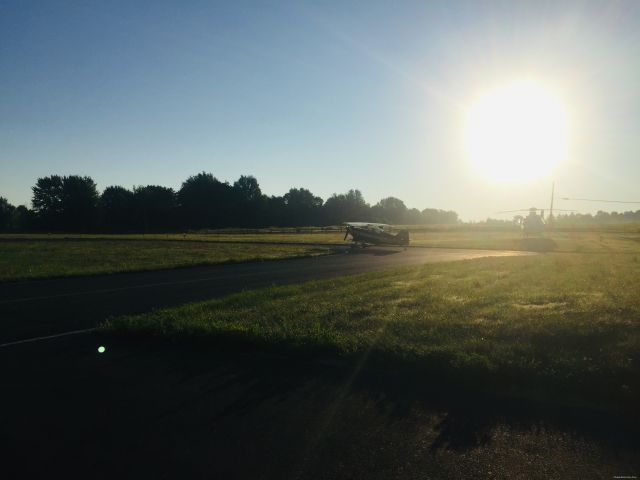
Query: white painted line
x=48, y=337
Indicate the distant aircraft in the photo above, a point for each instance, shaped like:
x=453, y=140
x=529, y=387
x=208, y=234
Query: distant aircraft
x=534, y=224
x=364, y=234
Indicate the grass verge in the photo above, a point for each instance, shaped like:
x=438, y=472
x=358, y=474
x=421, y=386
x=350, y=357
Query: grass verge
x=617, y=239
x=584, y=239
x=23, y=259
x=562, y=327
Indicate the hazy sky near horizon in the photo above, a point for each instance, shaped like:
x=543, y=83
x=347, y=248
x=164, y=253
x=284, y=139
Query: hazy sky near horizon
x=323, y=95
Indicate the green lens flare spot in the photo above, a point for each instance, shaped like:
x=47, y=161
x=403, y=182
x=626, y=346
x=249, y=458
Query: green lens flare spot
x=101, y=349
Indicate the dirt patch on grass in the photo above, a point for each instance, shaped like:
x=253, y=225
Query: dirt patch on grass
x=457, y=299
x=404, y=283
x=541, y=306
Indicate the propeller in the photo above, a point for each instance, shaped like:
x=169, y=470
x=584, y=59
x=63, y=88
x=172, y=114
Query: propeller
x=345, y=235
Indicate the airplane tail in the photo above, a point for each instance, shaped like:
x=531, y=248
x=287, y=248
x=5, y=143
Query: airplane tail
x=403, y=237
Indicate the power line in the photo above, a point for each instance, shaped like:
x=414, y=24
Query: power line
x=529, y=209
x=595, y=200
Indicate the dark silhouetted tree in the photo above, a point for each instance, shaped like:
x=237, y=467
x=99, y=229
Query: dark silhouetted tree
x=47, y=201
x=302, y=207
x=6, y=214
x=116, y=209
x=65, y=203
x=274, y=212
x=72, y=203
x=348, y=207
x=390, y=210
x=205, y=202
x=79, y=202
x=248, y=202
x=247, y=188
x=154, y=208
x=23, y=219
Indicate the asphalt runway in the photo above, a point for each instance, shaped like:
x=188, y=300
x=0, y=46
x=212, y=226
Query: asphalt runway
x=48, y=307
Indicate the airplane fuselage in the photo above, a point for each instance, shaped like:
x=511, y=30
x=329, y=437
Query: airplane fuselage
x=368, y=236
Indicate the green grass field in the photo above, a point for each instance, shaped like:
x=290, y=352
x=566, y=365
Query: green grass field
x=26, y=259
x=583, y=239
x=605, y=239
x=553, y=326
x=249, y=236
x=24, y=256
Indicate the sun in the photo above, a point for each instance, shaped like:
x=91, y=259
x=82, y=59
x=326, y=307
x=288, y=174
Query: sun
x=516, y=132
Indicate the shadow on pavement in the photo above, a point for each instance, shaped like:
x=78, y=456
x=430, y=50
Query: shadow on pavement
x=376, y=251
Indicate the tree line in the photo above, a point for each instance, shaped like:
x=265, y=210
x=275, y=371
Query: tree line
x=600, y=218
x=73, y=204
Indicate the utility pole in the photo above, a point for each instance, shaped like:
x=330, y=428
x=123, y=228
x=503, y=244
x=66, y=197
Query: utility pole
x=553, y=187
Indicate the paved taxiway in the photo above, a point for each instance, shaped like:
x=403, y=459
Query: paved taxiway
x=48, y=307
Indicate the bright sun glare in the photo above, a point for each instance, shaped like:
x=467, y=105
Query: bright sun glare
x=517, y=132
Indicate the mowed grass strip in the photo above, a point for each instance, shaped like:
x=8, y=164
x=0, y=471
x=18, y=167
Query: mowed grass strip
x=583, y=239
x=621, y=239
x=250, y=236
x=552, y=324
x=25, y=259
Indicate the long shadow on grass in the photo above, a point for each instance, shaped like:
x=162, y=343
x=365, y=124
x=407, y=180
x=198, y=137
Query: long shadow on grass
x=152, y=409
x=466, y=415
x=378, y=252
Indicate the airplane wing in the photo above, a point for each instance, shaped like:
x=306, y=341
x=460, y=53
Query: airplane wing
x=365, y=224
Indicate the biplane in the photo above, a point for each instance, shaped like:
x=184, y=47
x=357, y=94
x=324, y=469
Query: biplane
x=364, y=234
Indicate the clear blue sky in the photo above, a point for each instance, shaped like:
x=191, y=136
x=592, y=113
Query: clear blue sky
x=324, y=95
